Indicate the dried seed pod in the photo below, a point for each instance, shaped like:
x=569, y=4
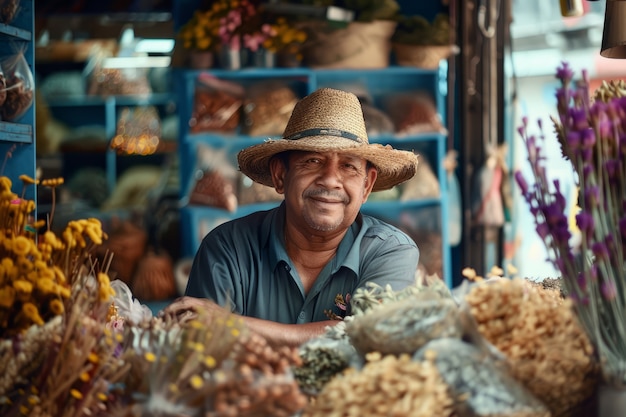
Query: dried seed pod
x=258, y=381
x=385, y=386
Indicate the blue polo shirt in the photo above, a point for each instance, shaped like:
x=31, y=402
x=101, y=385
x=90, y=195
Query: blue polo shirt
x=244, y=263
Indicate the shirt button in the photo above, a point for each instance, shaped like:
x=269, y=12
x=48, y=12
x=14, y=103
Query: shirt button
x=301, y=316
x=287, y=268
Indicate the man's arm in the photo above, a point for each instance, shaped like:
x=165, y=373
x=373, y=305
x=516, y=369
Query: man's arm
x=292, y=335
x=276, y=334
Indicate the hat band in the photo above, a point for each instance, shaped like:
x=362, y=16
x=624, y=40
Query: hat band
x=324, y=132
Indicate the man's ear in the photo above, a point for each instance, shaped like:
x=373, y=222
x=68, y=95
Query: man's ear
x=370, y=179
x=277, y=170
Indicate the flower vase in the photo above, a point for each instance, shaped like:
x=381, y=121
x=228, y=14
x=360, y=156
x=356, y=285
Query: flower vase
x=262, y=58
x=200, y=59
x=288, y=60
x=611, y=401
x=232, y=59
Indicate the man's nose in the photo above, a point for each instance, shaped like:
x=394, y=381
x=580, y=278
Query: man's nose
x=331, y=174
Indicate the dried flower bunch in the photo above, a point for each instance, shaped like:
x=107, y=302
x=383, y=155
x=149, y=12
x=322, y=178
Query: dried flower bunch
x=56, y=351
x=37, y=274
x=543, y=341
x=230, y=23
x=200, y=33
x=591, y=134
x=209, y=365
x=66, y=351
x=285, y=38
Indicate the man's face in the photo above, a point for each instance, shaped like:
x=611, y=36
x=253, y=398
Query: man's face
x=326, y=190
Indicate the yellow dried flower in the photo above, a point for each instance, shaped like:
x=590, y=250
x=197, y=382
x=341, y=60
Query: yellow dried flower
x=149, y=356
x=196, y=382
x=76, y=394
x=210, y=362
x=24, y=265
x=52, y=182
x=59, y=275
x=46, y=286
x=32, y=313
x=21, y=245
x=64, y=292
x=7, y=296
x=28, y=180
x=57, y=307
x=22, y=286
x=5, y=183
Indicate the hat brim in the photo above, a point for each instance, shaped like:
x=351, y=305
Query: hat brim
x=394, y=166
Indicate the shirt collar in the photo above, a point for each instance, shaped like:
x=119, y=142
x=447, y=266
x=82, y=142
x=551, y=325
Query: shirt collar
x=348, y=254
x=274, y=237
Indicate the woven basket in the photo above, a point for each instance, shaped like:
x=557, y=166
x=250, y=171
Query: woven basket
x=420, y=56
x=359, y=45
x=127, y=242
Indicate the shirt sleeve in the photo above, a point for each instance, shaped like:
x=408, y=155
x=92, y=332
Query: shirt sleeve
x=388, y=257
x=215, y=272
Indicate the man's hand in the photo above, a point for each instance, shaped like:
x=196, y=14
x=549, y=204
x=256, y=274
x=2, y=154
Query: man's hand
x=185, y=308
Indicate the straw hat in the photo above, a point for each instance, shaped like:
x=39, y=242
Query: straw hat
x=329, y=120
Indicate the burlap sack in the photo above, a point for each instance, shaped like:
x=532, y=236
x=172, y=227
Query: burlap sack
x=359, y=45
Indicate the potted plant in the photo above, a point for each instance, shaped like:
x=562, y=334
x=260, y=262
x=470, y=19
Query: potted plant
x=359, y=41
x=420, y=43
x=285, y=41
x=199, y=38
x=227, y=31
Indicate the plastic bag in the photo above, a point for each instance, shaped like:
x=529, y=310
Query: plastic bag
x=424, y=183
x=20, y=87
x=322, y=358
x=537, y=334
x=481, y=384
x=127, y=305
x=267, y=108
x=213, y=180
x=138, y=131
x=487, y=204
x=250, y=192
x=8, y=10
x=413, y=113
x=217, y=105
x=404, y=326
x=377, y=122
x=104, y=81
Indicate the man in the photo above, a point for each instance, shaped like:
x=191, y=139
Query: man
x=289, y=269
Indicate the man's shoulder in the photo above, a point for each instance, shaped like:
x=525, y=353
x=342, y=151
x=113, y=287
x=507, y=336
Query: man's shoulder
x=376, y=227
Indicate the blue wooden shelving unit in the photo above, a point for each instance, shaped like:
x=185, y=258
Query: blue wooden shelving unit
x=196, y=221
x=17, y=138
x=103, y=111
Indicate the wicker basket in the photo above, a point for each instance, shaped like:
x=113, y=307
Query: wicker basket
x=360, y=45
x=420, y=56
